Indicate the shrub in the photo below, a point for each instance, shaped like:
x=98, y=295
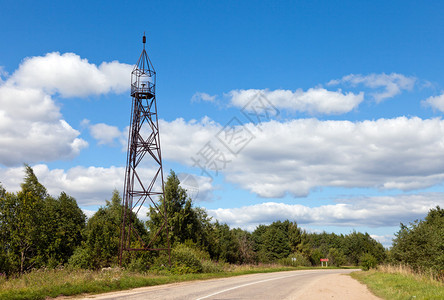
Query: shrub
x=185, y=260
x=80, y=258
x=336, y=257
x=138, y=264
x=209, y=266
x=368, y=261
x=420, y=245
x=295, y=260
x=315, y=257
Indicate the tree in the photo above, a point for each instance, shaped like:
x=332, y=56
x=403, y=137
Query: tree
x=22, y=220
x=226, y=246
x=357, y=244
x=315, y=256
x=368, y=261
x=245, y=243
x=102, y=236
x=421, y=245
x=273, y=241
x=36, y=229
x=294, y=236
x=336, y=257
x=4, y=233
x=65, y=223
x=184, y=222
x=324, y=241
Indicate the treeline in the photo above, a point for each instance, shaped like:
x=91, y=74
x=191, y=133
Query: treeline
x=38, y=230
x=420, y=244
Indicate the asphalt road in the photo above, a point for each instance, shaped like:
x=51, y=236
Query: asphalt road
x=280, y=285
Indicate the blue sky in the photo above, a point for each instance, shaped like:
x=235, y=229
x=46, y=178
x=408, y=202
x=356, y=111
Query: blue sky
x=355, y=140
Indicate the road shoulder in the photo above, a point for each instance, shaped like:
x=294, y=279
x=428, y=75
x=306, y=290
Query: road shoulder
x=335, y=286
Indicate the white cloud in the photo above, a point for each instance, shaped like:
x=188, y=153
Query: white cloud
x=386, y=240
x=199, y=188
x=88, y=212
x=105, y=134
x=31, y=126
x=313, y=101
x=383, y=211
x=392, y=84
x=3, y=74
x=70, y=75
x=436, y=102
x=300, y=155
x=198, y=96
x=93, y=185
x=293, y=157
x=89, y=185
x=398, y=153
x=181, y=139
x=28, y=104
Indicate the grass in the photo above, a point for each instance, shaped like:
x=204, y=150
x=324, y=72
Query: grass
x=40, y=284
x=401, y=282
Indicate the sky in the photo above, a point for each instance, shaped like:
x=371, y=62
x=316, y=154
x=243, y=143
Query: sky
x=327, y=113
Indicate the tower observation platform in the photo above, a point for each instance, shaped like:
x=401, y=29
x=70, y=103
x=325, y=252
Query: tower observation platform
x=143, y=77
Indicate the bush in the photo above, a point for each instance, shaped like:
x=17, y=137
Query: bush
x=80, y=258
x=185, y=260
x=368, y=261
x=420, y=245
x=295, y=260
x=315, y=257
x=138, y=264
x=336, y=257
x=209, y=266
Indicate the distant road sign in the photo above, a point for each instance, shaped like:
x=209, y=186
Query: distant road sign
x=324, y=259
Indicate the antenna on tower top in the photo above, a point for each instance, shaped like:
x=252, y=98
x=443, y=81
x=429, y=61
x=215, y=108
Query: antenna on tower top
x=144, y=40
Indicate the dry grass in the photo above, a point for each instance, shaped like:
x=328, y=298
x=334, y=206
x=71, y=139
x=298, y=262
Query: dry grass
x=420, y=275
x=401, y=282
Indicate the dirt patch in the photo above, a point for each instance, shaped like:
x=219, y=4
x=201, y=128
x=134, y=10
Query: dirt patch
x=335, y=286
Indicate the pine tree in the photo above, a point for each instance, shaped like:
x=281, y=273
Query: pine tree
x=184, y=222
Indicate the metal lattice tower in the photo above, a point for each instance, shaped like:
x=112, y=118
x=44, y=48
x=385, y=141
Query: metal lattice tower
x=143, y=154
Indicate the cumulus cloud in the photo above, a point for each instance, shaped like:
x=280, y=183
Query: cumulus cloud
x=436, y=102
x=199, y=188
x=199, y=96
x=313, y=101
x=300, y=155
x=88, y=212
x=386, y=240
x=31, y=126
x=391, y=84
x=70, y=75
x=105, y=134
x=3, y=74
x=297, y=156
x=91, y=186
x=398, y=153
x=181, y=139
x=381, y=211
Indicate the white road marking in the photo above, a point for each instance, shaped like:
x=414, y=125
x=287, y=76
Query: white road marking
x=247, y=284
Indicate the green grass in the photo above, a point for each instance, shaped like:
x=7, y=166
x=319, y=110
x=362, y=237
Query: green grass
x=400, y=284
x=40, y=284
